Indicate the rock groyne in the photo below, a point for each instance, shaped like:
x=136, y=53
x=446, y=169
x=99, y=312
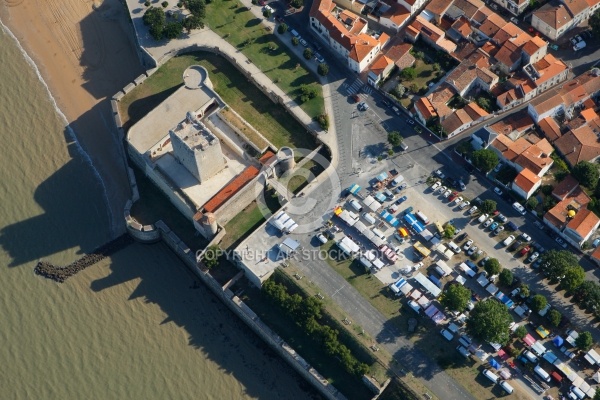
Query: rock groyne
x=61, y=274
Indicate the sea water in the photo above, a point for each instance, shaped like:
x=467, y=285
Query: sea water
x=134, y=326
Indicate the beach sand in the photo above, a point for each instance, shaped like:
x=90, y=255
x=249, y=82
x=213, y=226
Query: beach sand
x=85, y=55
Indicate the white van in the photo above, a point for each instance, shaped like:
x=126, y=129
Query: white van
x=577, y=392
x=369, y=218
x=378, y=233
x=397, y=180
x=403, y=146
x=454, y=247
x=508, y=240
x=356, y=205
x=506, y=386
x=422, y=217
x=542, y=373
x=490, y=375
x=530, y=356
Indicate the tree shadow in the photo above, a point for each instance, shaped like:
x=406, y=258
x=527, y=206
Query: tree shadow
x=210, y=326
x=251, y=24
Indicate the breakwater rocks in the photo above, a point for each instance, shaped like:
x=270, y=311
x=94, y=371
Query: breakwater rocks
x=61, y=274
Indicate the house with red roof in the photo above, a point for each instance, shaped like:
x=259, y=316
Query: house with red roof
x=526, y=183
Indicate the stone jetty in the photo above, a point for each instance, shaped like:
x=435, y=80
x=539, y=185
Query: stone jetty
x=61, y=274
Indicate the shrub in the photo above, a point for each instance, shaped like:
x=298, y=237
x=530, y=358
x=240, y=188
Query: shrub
x=147, y=3
x=295, y=41
x=323, y=69
x=282, y=28
x=297, y=3
x=307, y=93
x=323, y=121
x=308, y=53
x=267, y=13
x=408, y=73
x=399, y=90
x=554, y=317
x=394, y=138
x=164, y=4
x=172, y=30
x=532, y=203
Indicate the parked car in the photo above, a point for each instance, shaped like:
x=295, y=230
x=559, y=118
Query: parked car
x=303, y=42
x=356, y=98
x=439, y=174
x=472, y=250
x=482, y=218
x=321, y=238
x=472, y=210
x=401, y=200
x=464, y=204
x=524, y=250
x=483, y=261
x=515, y=245
x=512, y=226
x=502, y=218
x=447, y=334
x=508, y=240
x=362, y=106
x=453, y=196
x=447, y=193
x=519, y=208
x=525, y=237
x=468, y=245
x=396, y=110
x=436, y=185
x=393, y=208
x=498, y=230
x=319, y=58
x=462, y=185
x=498, y=191
x=536, y=263
x=533, y=257
x=458, y=200
x=560, y=241
x=462, y=237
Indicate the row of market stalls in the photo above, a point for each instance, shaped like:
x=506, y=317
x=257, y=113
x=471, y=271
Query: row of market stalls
x=417, y=300
x=563, y=371
x=283, y=222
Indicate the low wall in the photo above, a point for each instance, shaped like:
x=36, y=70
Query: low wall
x=237, y=202
x=141, y=233
x=244, y=312
x=243, y=136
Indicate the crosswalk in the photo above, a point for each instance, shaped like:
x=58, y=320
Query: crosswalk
x=358, y=87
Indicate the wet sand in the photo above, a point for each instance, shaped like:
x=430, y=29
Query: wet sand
x=85, y=56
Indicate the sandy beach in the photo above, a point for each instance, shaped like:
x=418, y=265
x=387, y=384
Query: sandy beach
x=85, y=56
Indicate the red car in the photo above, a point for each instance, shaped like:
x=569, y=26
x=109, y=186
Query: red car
x=524, y=250
x=453, y=196
x=356, y=98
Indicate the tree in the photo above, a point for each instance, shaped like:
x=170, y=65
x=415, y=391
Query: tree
x=282, y=28
x=308, y=53
x=485, y=160
x=492, y=267
x=554, y=316
x=594, y=23
x=449, y=231
x=323, y=121
x=267, y=13
x=154, y=16
x=488, y=206
x=307, y=93
x=574, y=277
x=489, y=321
x=164, y=4
x=192, y=22
x=524, y=293
x=399, y=90
x=585, y=341
x=414, y=88
x=532, y=203
x=484, y=103
x=538, y=302
x=408, y=74
x=506, y=277
x=323, y=69
x=394, y=138
x=597, y=395
x=295, y=41
x=586, y=173
x=211, y=256
x=456, y=297
x=556, y=263
x=172, y=30
x=297, y=3
x=196, y=7
x=587, y=296
x=521, y=332
x=436, y=67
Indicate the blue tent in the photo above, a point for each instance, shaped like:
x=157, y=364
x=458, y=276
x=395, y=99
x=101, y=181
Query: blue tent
x=382, y=176
x=558, y=341
x=550, y=357
x=381, y=197
x=389, y=218
x=411, y=220
x=495, y=364
x=354, y=189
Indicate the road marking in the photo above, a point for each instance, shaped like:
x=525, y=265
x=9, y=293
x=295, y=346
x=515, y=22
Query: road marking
x=337, y=291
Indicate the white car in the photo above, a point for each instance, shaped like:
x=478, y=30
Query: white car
x=482, y=218
x=525, y=237
x=441, y=189
x=498, y=191
x=472, y=250
x=321, y=238
x=447, y=193
x=533, y=257
x=464, y=205
x=508, y=240
x=468, y=245
x=458, y=200
x=436, y=185
x=498, y=230
x=519, y=208
x=439, y=174
x=472, y=210
x=488, y=222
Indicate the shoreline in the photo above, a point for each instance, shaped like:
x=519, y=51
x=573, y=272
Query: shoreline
x=81, y=80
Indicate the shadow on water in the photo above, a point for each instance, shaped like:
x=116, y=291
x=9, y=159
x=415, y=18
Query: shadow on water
x=210, y=326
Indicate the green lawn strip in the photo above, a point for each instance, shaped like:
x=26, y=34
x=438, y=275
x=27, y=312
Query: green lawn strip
x=311, y=350
x=247, y=100
x=243, y=30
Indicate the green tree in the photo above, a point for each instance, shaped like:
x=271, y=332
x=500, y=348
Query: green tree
x=211, y=256
x=556, y=263
x=172, y=30
x=585, y=341
x=308, y=53
x=538, y=302
x=436, y=67
x=574, y=277
x=297, y=3
x=554, y=316
x=485, y=160
x=586, y=173
x=192, y=22
x=399, y=90
x=323, y=121
x=408, y=74
x=323, y=69
x=414, y=88
x=532, y=203
x=492, y=267
x=267, y=13
x=164, y=4
x=295, y=41
x=394, y=138
x=594, y=23
x=196, y=7
x=307, y=92
x=521, y=332
x=506, y=277
x=282, y=28
x=489, y=321
x=456, y=297
x=484, y=103
x=524, y=293
x=154, y=16
x=449, y=231
x=488, y=206
x=597, y=395
x=157, y=31
x=587, y=295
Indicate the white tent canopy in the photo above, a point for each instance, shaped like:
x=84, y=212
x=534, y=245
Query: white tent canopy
x=428, y=285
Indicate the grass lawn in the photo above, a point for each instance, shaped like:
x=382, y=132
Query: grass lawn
x=351, y=386
x=425, y=74
x=247, y=221
x=249, y=102
x=233, y=21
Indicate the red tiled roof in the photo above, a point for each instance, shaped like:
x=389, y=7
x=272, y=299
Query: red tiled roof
x=533, y=45
x=589, y=115
x=526, y=180
x=231, y=189
x=576, y=7
x=425, y=108
x=380, y=64
x=266, y=157
x=536, y=157
x=555, y=16
x=558, y=214
x=579, y=144
x=565, y=187
x=550, y=128
x=456, y=120
x=583, y=222
x=548, y=67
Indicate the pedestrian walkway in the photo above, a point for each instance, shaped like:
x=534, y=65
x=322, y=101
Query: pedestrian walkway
x=357, y=87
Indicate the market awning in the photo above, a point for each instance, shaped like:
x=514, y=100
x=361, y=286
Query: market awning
x=495, y=364
x=354, y=189
x=382, y=176
x=558, y=341
x=402, y=232
x=550, y=357
x=542, y=331
x=529, y=340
